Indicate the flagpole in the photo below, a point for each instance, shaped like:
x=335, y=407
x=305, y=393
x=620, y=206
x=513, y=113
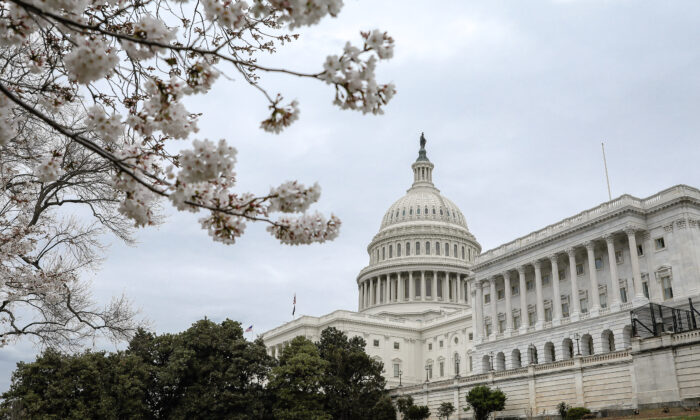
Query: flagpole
x=607, y=178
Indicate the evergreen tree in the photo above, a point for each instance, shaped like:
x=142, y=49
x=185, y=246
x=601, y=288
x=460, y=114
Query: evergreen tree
x=353, y=381
x=484, y=400
x=296, y=383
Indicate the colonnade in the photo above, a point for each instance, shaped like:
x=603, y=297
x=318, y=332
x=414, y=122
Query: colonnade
x=481, y=285
x=412, y=286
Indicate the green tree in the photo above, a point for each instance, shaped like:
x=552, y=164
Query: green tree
x=417, y=412
x=87, y=385
x=445, y=410
x=403, y=403
x=297, y=382
x=353, y=382
x=383, y=409
x=484, y=400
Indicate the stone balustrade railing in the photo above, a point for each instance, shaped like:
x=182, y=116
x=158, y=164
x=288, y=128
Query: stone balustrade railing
x=623, y=201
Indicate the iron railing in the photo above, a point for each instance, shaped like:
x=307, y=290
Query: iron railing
x=652, y=320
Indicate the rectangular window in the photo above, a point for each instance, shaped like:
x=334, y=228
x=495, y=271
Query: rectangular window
x=640, y=250
x=516, y=321
x=668, y=289
x=396, y=345
x=619, y=258
x=471, y=336
x=579, y=269
x=599, y=263
x=565, y=309
x=515, y=290
x=442, y=368
x=487, y=298
x=488, y=329
x=562, y=274
x=470, y=363
x=660, y=243
x=430, y=346
x=500, y=294
x=584, y=305
x=531, y=319
x=530, y=285
x=548, y=314
x=623, y=294
x=545, y=279
x=397, y=368
x=603, y=300
x=501, y=325
x=645, y=289
x=376, y=343
x=441, y=343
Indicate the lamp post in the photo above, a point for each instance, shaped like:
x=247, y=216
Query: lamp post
x=578, y=350
x=400, y=373
x=426, y=373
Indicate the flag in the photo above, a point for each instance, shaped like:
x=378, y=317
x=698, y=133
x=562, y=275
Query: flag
x=294, y=304
x=249, y=329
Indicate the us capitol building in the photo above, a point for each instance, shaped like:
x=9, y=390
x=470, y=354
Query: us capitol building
x=580, y=311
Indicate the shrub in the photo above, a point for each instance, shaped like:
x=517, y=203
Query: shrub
x=484, y=400
x=577, y=413
x=563, y=408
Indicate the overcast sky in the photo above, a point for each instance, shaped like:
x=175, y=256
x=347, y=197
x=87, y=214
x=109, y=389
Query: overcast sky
x=514, y=99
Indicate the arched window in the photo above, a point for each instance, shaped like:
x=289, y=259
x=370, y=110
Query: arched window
x=627, y=336
x=454, y=248
x=426, y=210
x=417, y=248
x=587, y=345
x=377, y=254
x=500, y=362
x=391, y=251
x=391, y=216
x=408, y=249
x=463, y=256
x=398, y=250
x=383, y=253
x=567, y=349
x=427, y=248
x=608, y=340
x=397, y=213
x=447, y=249
x=410, y=211
x=437, y=248
x=403, y=213
x=433, y=211
x=417, y=210
x=515, y=361
x=448, y=212
x=440, y=211
x=549, y=355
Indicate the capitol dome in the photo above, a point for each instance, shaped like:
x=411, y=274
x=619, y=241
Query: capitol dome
x=420, y=258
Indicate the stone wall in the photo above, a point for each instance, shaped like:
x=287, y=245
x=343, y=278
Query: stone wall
x=656, y=371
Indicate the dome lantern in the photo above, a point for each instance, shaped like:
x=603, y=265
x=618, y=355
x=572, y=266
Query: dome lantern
x=422, y=168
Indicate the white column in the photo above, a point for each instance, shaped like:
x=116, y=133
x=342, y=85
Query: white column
x=433, y=289
x=390, y=289
x=523, y=299
x=371, y=292
x=593, y=279
x=556, y=296
x=636, y=274
x=538, y=292
x=614, y=294
x=509, y=308
x=411, y=287
x=494, y=308
x=359, y=297
x=479, y=329
x=575, y=305
x=422, y=285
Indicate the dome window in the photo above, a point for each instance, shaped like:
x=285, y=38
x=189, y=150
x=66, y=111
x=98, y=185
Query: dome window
x=427, y=248
x=454, y=248
x=448, y=212
x=398, y=250
x=408, y=249
x=437, y=248
x=410, y=211
x=417, y=248
x=391, y=251
x=417, y=210
x=426, y=210
x=383, y=253
x=433, y=211
x=440, y=211
x=463, y=255
x=447, y=249
x=397, y=213
x=404, y=212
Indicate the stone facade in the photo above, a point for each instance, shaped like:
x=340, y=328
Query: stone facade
x=545, y=317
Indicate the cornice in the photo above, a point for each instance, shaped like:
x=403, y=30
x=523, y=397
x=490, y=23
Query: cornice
x=416, y=263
